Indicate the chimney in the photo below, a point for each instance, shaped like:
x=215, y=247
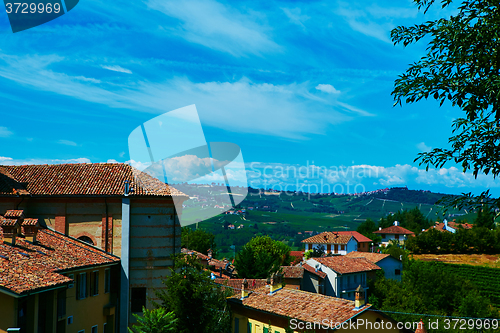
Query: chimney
x=396, y=223
x=445, y=221
x=10, y=229
x=244, y=289
x=209, y=254
x=359, y=300
x=275, y=282
x=30, y=229
x=379, y=228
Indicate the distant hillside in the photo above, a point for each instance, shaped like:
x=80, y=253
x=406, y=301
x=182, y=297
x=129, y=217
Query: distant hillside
x=293, y=216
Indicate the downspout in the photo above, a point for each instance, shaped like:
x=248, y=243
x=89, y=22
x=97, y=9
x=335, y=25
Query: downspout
x=106, y=245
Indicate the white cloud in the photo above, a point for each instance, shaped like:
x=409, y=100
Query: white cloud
x=360, y=178
x=217, y=26
x=117, y=68
x=328, y=88
x=11, y=161
x=67, y=143
x=423, y=147
x=5, y=132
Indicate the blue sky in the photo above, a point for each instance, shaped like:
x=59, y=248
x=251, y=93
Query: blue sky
x=292, y=83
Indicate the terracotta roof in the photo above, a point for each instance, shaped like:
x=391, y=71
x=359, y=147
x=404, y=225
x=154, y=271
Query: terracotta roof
x=13, y=213
x=393, y=229
x=293, y=272
x=9, y=185
x=7, y=222
x=299, y=254
x=345, y=265
x=312, y=270
x=236, y=284
x=27, y=267
x=454, y=225
x=302, y=305
x=81, y=179
x=373, y=257
x=359, y=237
x=30, y=222
x=328, y=237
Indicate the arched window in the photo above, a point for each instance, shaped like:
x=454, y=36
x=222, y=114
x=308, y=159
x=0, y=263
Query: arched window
x=86, y=239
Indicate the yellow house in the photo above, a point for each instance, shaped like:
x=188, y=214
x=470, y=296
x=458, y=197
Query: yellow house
x=273, y=309
x=50, y=282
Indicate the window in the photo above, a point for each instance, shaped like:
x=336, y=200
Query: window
x=383, y=236
x=266, y=330
x=397, y=237
x=104, y=328
x=236, y=325
x=397, y=272
x=82, y=331
x=93, y=329
x=107, y=280
x=70, y=320
x=138, y=299
x=72, y=277
x=94, y=283
x=342, y=247
x=249, y=328
x=81, y=286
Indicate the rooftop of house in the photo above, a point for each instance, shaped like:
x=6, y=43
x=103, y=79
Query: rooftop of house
x=373, y=257
x=359, y=237
x=302, y=305
x=292, y=272
x=96, y=179
x=236, y=284
x=441, y=226
x=30, y=267
x=346, y=265
x=328, y=237
x=394, y=230
x=312, y=270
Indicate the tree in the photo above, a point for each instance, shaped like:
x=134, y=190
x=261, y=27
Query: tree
x=485, y=218
x=198, y=240
x=261, y=257
x=198, y=304
x=462, y=65
x=154, y=321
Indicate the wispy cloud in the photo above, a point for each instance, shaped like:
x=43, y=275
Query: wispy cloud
x=217, y=26
x=295, y=15
x=67, y=143
x=5, y=132
x=328, y=88
x=117, y=68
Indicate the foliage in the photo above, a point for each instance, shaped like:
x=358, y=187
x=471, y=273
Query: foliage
x=198, y=240
x=198, y=304
x=428, y=288
x=476, y=240
x=462, y=65
x=367, y=228
x=154, y=321
x=261, y=257
x=412, y=220
x=485, y=218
